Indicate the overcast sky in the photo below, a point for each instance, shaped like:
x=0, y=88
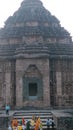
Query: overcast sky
x=62, y=9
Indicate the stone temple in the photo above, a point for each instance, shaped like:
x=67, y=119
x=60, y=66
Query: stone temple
x=36, y=59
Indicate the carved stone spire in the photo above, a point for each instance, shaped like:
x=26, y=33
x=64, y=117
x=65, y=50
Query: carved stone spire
x=31, y=2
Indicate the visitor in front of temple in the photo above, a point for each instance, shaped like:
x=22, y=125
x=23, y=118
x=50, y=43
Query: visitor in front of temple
x=53, y=123
x=14, y=123
x=28, y=125
x=41, y=125
x=19, y=127
x=37, y=123
x=7, y=109
x=23, y=121
x=32, y=122
x=50, y=123
x=9, y=127
x=47, y=123
x=23, y=124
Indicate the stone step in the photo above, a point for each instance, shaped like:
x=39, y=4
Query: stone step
x=27, y=114
x=30, y=116
x=33, y=113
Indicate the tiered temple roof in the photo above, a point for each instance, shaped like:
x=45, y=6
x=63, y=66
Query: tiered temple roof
x=32, y=11
x=32, y=19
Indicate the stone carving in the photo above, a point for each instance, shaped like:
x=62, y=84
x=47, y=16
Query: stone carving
x=68, y=87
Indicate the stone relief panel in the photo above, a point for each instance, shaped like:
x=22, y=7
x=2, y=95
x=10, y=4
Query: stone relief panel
x=68, y=92
x=32, y=39
x=32, y=71
x=67, y=82
x=68, y=87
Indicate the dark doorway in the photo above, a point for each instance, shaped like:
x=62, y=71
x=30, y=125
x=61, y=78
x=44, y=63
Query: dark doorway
x=32, y=89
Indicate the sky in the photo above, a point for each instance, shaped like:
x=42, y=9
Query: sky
x=62, y=9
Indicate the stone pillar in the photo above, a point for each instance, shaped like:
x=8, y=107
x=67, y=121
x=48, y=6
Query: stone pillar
x=19, y=91
x=46, y=84
x=59, y=88
x=7, y=89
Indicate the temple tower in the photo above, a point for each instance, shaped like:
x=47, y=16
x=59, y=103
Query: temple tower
x=36, y=54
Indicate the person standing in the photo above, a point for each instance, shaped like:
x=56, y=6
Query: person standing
x=23, y=126
x=41, y=126
x=32, y=123
x=19, y=127
x=50, y=123
x=47, y=123
x=7, y=109
x=53, y=123
x=9, y=127
x=23, y=121
x=37, y=124
x=28, y=125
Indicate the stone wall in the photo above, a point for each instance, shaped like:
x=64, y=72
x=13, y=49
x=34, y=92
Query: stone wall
x=61, y=76
x=63, y=120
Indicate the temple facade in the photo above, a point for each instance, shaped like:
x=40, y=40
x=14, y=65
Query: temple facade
x=36, y=59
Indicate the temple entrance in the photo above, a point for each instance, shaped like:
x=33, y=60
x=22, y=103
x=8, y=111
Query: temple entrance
x=33, y=90
x=32, y=84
